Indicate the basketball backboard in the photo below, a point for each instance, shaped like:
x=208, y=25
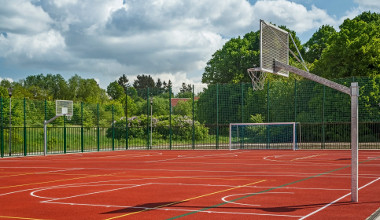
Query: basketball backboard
x=64, y=107
x=274, y=45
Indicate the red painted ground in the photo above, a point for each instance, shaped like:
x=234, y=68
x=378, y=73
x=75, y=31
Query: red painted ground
x=189, y=185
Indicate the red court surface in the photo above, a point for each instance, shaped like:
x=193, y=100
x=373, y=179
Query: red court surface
x=218, y=184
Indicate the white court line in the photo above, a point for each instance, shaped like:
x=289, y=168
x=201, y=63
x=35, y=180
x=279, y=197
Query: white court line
x=224, y=199
x=320, y=209
x=192, y=157
x=85, y=194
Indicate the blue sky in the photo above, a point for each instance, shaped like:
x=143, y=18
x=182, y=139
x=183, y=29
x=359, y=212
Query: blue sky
x=168, y=39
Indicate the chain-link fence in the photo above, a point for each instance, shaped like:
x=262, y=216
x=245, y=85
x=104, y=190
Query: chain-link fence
x=156, y=118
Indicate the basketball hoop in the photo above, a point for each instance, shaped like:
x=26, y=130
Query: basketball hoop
x=258, y=78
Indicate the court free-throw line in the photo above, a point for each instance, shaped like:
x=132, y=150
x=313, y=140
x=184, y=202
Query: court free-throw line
x=185, y=200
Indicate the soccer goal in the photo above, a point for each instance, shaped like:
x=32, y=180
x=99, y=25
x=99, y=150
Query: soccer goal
x=276, y=136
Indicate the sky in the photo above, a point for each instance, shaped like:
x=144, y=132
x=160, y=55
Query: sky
x=167, y=39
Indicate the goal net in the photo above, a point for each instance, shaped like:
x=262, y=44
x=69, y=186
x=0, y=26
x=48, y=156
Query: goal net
x=263, y=136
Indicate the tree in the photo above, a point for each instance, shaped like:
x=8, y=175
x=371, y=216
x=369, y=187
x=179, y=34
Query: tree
x=123, y=82
x=143, y=82
x=186, y=91
x=183, y=108
x=354, y=50
x=115, y=90
x=318, y=42
x=55, y=86
x=230, y=64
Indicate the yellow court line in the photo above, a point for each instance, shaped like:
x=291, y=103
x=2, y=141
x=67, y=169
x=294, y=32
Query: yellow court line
x=300, y=158
x=14, y=217
x=185, y=200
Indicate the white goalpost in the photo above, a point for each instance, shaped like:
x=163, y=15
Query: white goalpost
x=275, y=135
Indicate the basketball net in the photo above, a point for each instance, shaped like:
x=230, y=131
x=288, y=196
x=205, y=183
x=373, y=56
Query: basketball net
x=258, y=78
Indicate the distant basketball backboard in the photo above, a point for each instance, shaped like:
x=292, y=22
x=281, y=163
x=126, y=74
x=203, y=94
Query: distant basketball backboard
x=64, y=107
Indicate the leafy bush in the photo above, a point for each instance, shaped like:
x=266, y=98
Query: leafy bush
x=181, y=128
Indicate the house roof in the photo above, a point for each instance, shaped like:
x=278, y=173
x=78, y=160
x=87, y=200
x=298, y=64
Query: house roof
x=174, y=101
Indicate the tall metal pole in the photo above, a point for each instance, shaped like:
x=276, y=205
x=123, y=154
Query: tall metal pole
x=10, y=120
x=354, y=141
x=151, y=121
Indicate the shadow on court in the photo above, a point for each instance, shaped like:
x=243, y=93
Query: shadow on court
x=276, y=209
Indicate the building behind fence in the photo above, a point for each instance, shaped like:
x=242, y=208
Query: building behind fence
x=149, y=119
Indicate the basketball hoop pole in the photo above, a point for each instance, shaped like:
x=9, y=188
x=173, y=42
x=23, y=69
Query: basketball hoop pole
x=45, y=131
x=353, y=91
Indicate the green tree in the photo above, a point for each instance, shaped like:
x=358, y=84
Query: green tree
x=123, y=82
x=55, y=86
x=354, y=50
x=115, y=90
x=186, y=91
x=318, y=42
x=183, y=108
x=230, y=64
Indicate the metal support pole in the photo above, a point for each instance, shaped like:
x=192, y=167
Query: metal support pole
x=97, y=128
x=193, y=126
x=354, y=141
x=45, y=137
x=217, y=116
x=151, y=122
x=170, y=118
x=25, y=137
x=81, y=128
x=10, y=125
x=126, y=118
x=113, y=129
x=1, y=128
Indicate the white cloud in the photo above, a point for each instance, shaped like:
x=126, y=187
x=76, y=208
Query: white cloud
x=295, y=16
x=368, y=5
x=22, y=17
x=8, y=79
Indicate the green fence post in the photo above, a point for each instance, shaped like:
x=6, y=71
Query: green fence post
x=295, y=107
x=25, y=150
x=81, y=128
x=295, y=100
x=217, y=114
x=126, y=118
x=113, y=129
x=64, y=135
x=1, y=128
x=45, y=119
x=323, y=118
x=170, y=118
x=242, y=102
x=147, y=118
x=97, y=129
x=268, y=109
x=242, y=115
x=193, y=130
